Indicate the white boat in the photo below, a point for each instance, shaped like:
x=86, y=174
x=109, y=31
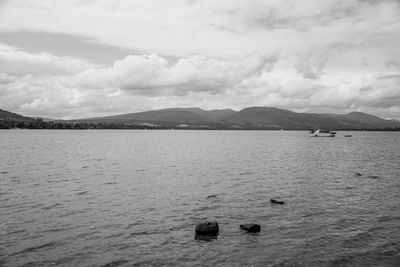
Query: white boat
x=322, y=133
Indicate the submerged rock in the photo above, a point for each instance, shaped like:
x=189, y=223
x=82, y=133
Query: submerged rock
x=207, y=228
x=276, y=201
x=251, y=227
x=206, y=238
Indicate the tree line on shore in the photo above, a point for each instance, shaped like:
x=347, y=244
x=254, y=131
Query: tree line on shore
x=39, y=123
x=42, y=124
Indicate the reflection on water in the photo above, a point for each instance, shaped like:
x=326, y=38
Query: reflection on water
x=123, y=198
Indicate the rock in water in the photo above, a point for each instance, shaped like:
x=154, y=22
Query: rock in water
x=207, y=228
x=251, y=227
x=276, y=201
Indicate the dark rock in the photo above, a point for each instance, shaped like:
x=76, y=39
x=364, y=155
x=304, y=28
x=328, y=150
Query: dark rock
x=251, y=227
x=358, y=174
x=211, y=196
x=206, y=238
x=207, y=228
x=276, y=201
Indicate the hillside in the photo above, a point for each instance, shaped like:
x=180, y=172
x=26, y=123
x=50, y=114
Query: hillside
x=215, y=114
x=165, y=117
x=266, y=118
x=274, y=118
x=4, y=115
x=250, y=118
x=367, y=119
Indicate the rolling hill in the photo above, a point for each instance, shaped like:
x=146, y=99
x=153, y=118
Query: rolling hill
x=165, y=117
x=266, y=118
x=251, y=118
x=4, y=115
x=274, y=118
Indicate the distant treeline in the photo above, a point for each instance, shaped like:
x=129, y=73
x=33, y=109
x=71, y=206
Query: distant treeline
x=41, y=124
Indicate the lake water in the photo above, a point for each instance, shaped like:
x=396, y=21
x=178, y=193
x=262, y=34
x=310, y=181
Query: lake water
x=133, y=198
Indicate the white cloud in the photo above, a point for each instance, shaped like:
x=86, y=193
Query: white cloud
x=151, y=75
x=221, y=28
x=16, y=62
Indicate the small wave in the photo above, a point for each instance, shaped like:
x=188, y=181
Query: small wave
x=204, y=208
x=17, y=232
x=59, y=229
x=115, y=263
x=129, y=226
x=310, y=214
x=156, y=231
x=72, y=212
x=142, y=170
x=114, y=235
x=139, y=233
x=358, y=240
x=35, y=248
x=82, y=192
x=50, y=207
x=383, y=255
x=388, y=218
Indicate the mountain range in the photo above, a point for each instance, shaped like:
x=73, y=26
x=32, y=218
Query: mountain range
x=249, y=118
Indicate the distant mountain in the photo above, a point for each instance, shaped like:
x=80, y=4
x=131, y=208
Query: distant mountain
x=251, y=118
x=274, y=118
x=264, y=117
x=267, y=118
x=167, y=117
x=367, y=120
x=215, y=114
x=4, y=115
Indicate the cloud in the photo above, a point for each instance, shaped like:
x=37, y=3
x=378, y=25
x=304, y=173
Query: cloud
x=315, y=56
x=151, y=75
x=35, y=85
x=139, y=83
x=214, y=29
x=16, y=62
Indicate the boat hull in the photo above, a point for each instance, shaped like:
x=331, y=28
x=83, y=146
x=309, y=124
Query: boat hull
x=320, y=133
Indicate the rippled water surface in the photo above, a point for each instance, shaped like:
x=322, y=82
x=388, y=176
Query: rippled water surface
x=133, y=198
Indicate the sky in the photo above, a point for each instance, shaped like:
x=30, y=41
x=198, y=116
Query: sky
x=69, y=59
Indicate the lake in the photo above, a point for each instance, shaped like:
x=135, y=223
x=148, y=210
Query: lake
x=133, y=198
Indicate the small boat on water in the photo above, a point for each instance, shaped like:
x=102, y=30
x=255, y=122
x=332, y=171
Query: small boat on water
x=322, y=133
x=347, y=135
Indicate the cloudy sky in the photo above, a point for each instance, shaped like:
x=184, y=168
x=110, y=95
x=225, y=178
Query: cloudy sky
x=82, y=58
